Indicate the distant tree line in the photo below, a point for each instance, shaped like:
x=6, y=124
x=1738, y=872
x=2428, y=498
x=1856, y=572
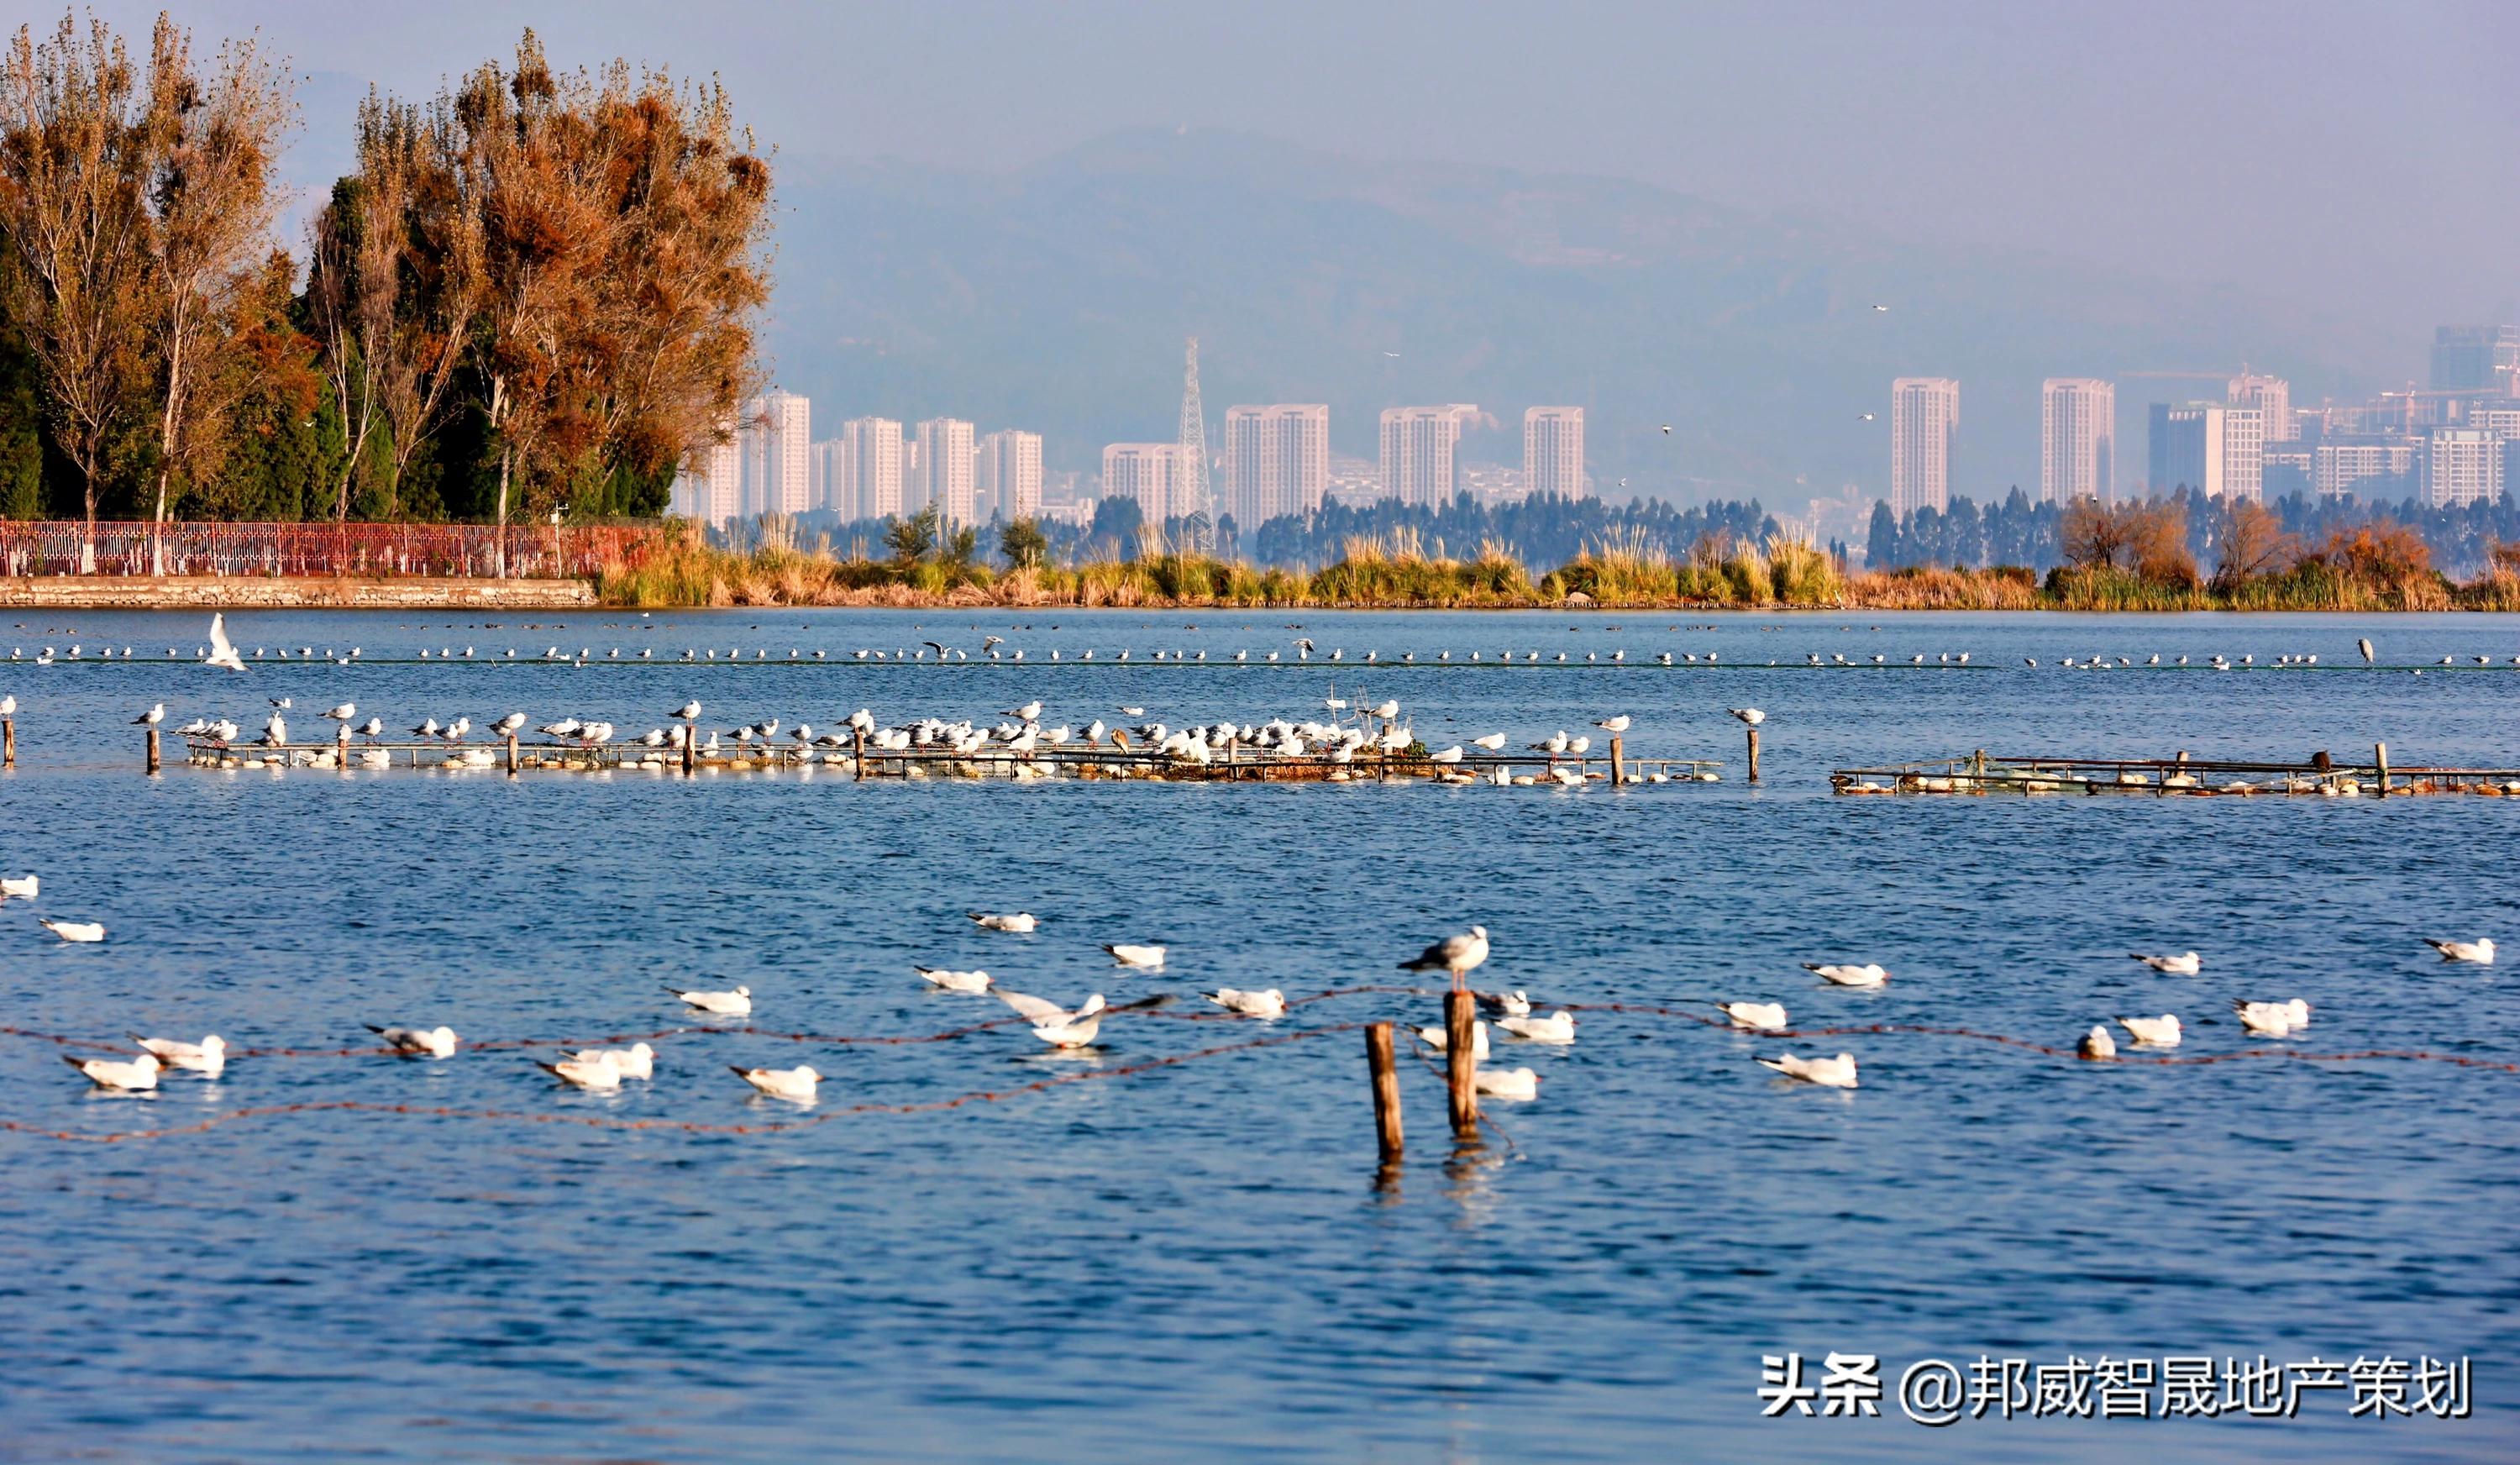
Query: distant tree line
x=538, y=289
x=2040, y=537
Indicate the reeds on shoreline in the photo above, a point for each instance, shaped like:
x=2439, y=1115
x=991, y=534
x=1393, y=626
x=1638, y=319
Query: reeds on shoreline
x=1396, y=572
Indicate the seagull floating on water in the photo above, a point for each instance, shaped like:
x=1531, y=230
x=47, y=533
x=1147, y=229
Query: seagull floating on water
x=2157, y=1031
x=637, y=1061
x=73, y=931
x=2182, y=964
x=1435, y=1038
x=735, y=1004
x=796, y=1085
x=2480, y=951
x=2271, y=1019
x=586, y=1070
x=1019, y=922
x=433, y=1043
x=1828, y=1073
x=207, y=1057
x=2096, y=1044
x=20, y=888
x=1869, y=974
x=1557, y=1027
x=138, y=1073
x=953, y=981
x=1269, y=1003
x=1507, y=1082
x=1756, y=1016
x=1148, y=957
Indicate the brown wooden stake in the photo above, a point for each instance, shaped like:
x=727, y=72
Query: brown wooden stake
x=858, y=737
x=1618, y=762
x=1381, y=1066
x=511, y=755
x=341, y=747
x=1754, y=755
x=8, y=743
x=1461, y=1062
x=692, y=745
x=2380, y=756
x=152, y=750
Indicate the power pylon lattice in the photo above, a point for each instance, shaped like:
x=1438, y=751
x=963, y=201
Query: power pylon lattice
x=1191, y=502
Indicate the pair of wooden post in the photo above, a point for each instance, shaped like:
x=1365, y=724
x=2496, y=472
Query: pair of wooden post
x=1461, y=1075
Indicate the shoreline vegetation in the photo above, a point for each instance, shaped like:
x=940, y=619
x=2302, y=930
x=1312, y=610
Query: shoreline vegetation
x=2124, y=562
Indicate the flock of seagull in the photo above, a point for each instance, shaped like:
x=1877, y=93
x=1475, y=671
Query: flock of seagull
x=1355, y=727
x=222, y=651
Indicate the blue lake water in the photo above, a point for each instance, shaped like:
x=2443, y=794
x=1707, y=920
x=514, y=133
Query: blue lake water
x=1198, y=1262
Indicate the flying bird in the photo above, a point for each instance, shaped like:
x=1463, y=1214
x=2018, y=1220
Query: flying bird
x=223, y=652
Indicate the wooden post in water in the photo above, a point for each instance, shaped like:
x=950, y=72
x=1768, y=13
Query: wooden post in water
x=341, y=747
x=511, y=755
x=152, y=750
x=691, y=744
x=1618, y=762
x=1461, y=1062
x=857, y=735
x=1379, y=1066
x=2380, y=757
x=8, y=743
x=1754, y=755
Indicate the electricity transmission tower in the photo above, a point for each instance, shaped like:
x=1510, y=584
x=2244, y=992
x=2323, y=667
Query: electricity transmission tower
x=1190, y=502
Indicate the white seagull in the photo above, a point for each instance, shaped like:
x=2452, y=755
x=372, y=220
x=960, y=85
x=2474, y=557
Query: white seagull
x=1828, y=1073
x=1869, y=974
x=2159, y=1032
x=1557, y=1027
x=435, y=1042
x=2096, y=1044
x=223, y=652
x=151, y=718
x=793, y=1084
x=735, y=1004
x=2182, y=964
x=1619, y=724
x=1514, y=1003
x=113, y=1073
x=80, y=932
x=2271, y=1019
x=1019, y=922
x=1150, y=958
x=1508, y=1082
x=1269, y=1003
x=637, y=1061
x=1457, y=954
x=592, y=1070
x=207, y=1057
x=1756, y=1016
x=1437, y=1038
x=953, y=981
x=20, y=889
x=1055, y=1025
x=1750, y=715
x=688, y=712
x=2479, y=951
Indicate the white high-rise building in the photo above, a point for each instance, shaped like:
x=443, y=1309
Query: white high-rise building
x=945, y=471
x=2338, y=465
x=711, y=488
x=1143, y=471
x=1552, y=452
x=786, y=456
x=1924, y=425
x=2077, y=439
x=1276, y=460
x=873, y=490
x=2271, y=396
x=1420, y=448
x=2461, y=466
x=834, y=479
x=2215, y=449
x=1007, y=475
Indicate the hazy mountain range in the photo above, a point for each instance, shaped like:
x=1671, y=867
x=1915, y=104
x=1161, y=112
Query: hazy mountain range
x=1055, y=297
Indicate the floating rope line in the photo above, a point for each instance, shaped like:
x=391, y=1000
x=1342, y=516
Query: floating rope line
x=687, y=1127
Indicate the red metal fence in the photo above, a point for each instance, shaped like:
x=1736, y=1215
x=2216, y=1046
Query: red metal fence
x=532, y=552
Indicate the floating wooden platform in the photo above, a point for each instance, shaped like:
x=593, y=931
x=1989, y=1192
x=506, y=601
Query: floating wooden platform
x=1069, y=761
x=2180, y=777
